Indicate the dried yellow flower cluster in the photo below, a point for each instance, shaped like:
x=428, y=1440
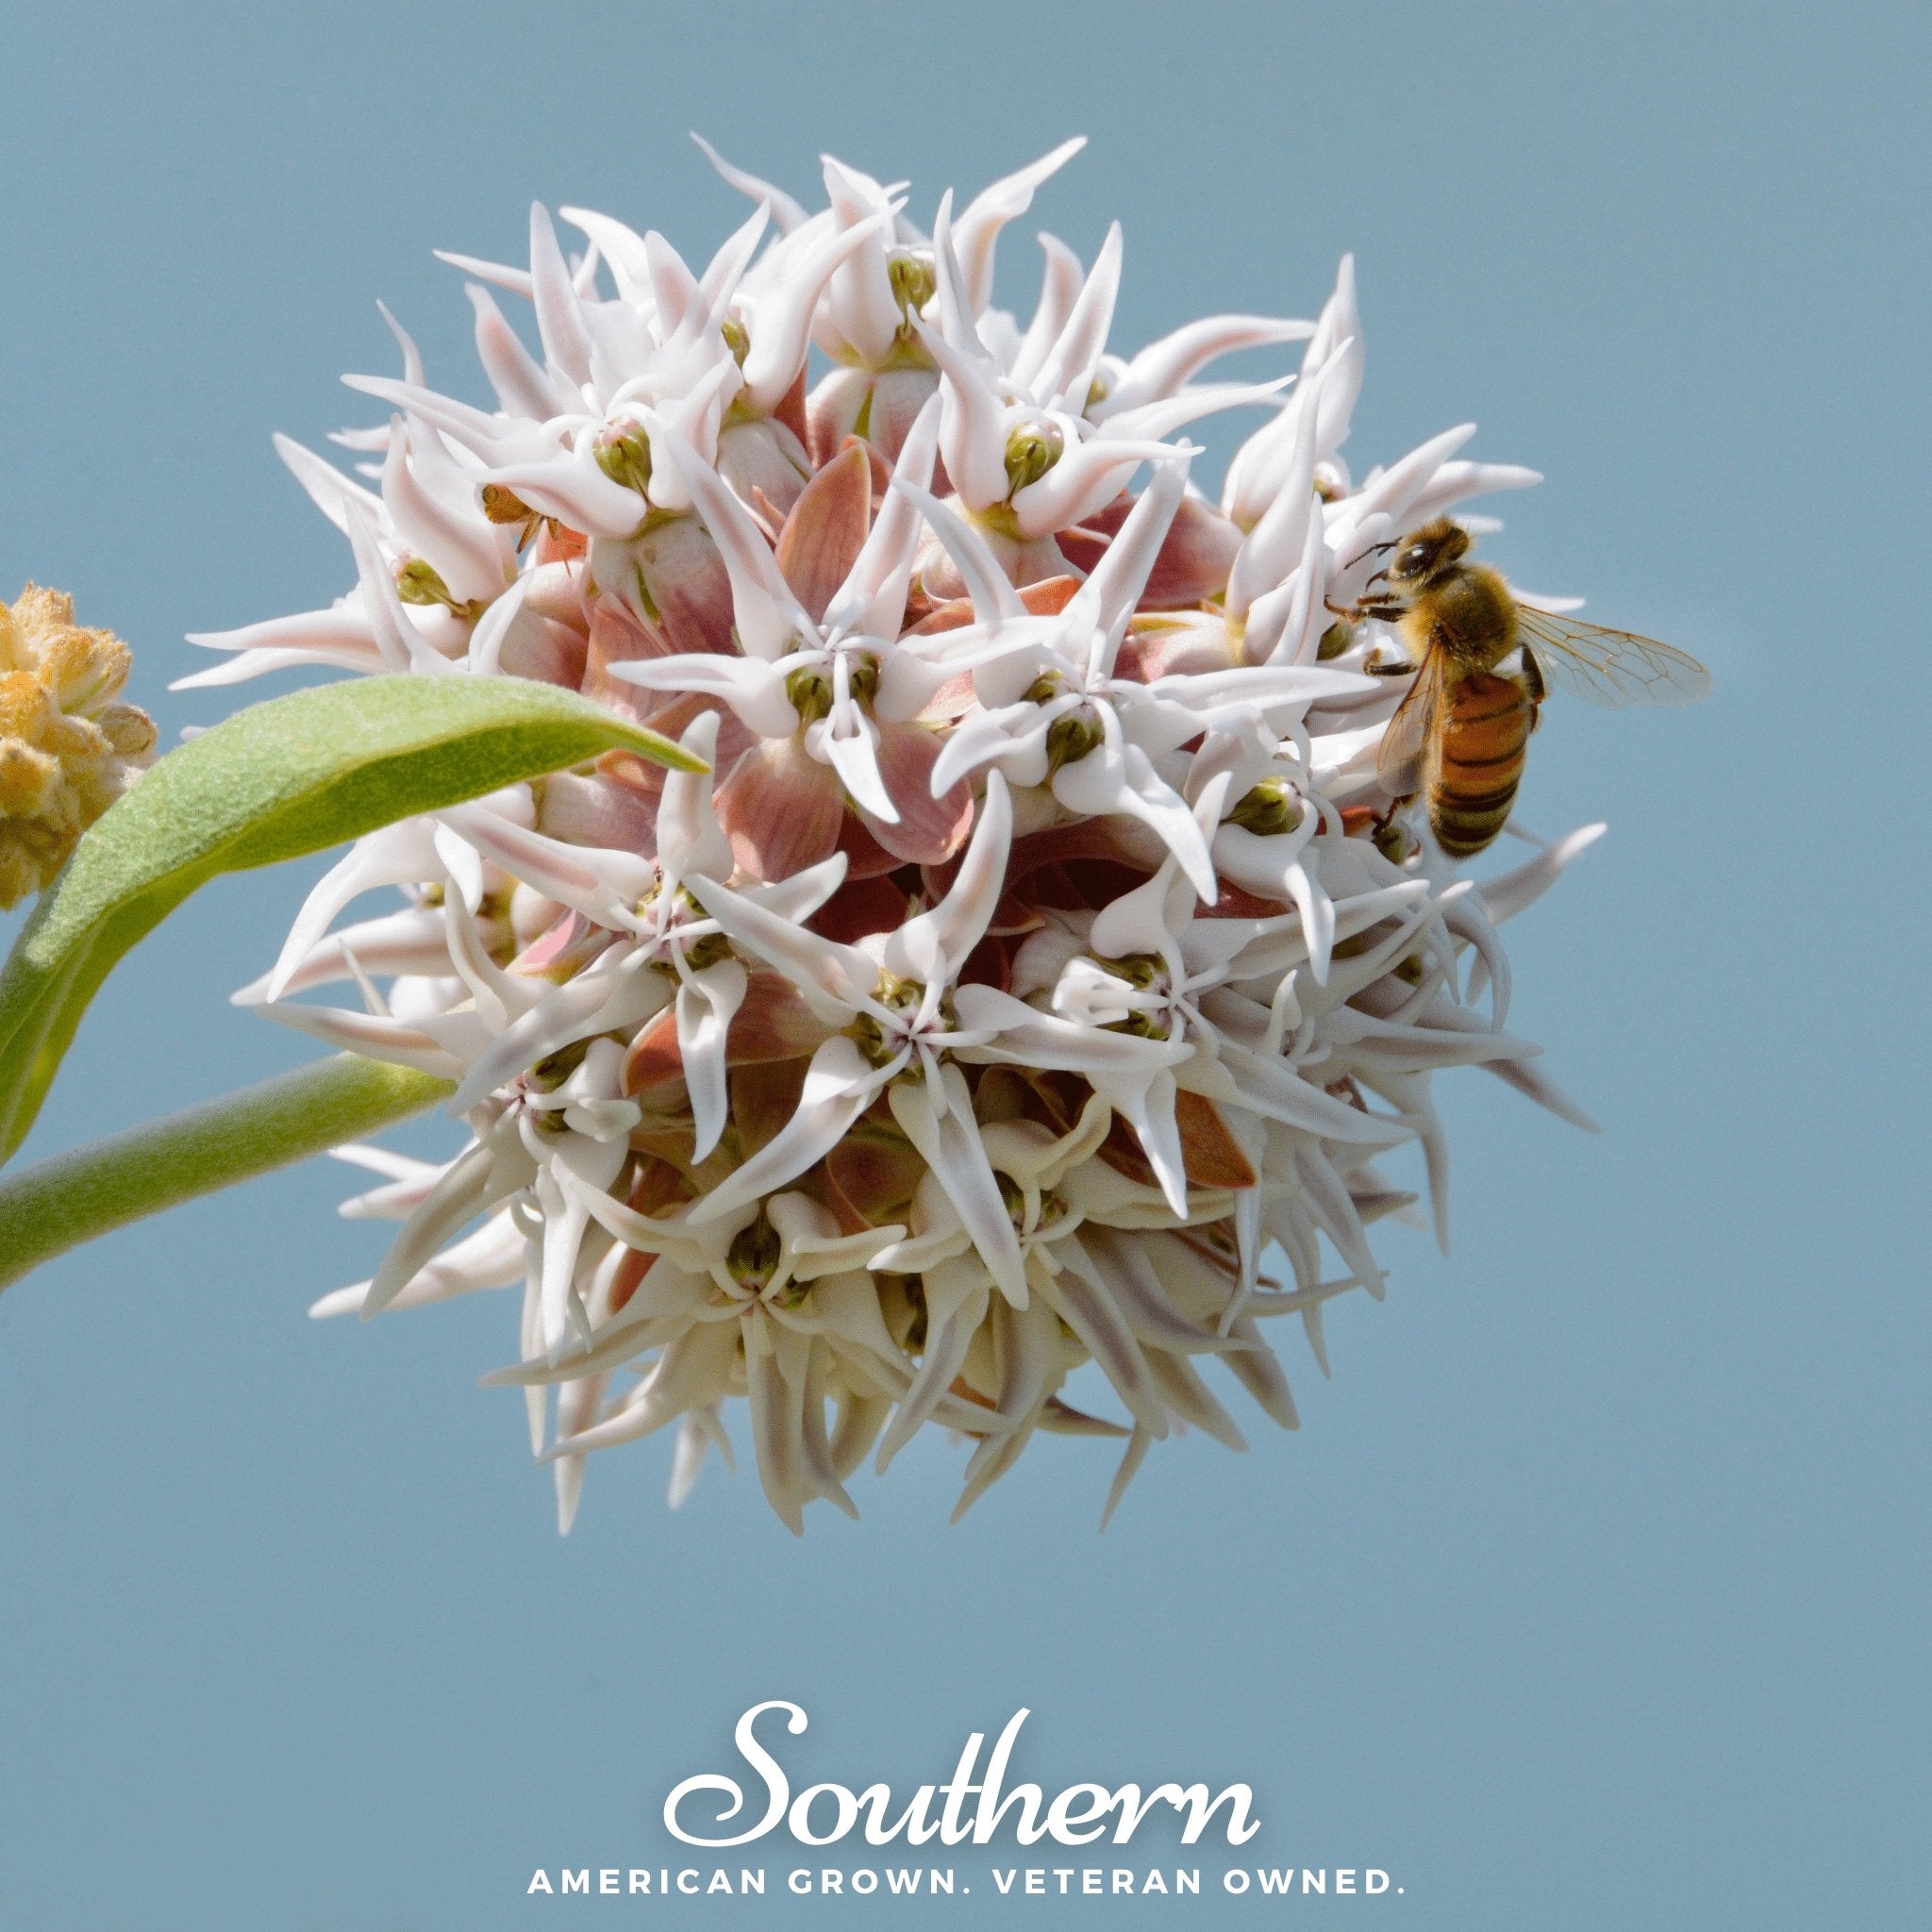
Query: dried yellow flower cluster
x=67, y=750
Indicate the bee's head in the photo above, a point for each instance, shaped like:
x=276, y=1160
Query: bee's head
x=1426, y=553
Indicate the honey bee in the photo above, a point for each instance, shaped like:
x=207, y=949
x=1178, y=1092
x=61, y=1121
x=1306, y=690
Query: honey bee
x=1460, y=735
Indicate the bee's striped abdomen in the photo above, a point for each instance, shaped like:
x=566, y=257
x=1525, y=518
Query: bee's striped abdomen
x=1479, y=763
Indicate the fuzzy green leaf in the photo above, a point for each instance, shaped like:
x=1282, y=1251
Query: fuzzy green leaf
x=280, y=780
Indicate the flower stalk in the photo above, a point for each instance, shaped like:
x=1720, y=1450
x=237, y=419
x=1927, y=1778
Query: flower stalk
x=75, y=1197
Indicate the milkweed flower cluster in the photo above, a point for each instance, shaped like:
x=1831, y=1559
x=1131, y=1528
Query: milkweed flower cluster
x=69, y=748
x=1037, y=957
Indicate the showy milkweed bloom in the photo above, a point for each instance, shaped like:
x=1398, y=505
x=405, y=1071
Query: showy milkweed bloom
x=1037, y=978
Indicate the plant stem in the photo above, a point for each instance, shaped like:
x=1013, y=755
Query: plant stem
x=75, y=1197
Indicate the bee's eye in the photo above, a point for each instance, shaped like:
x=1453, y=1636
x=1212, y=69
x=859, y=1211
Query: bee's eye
x=1414, y=559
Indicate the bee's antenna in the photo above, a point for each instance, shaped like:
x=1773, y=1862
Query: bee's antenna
x=1374, y=550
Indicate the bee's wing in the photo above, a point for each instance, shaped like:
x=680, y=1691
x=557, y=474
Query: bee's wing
x=1405, y=748
x=1611, y=667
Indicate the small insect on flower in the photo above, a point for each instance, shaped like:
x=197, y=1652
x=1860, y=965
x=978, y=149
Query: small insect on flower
x=505, y=506
x=1461, y=734
x=68, y=749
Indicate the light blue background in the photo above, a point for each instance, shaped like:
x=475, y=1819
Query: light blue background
x=1592, y=1591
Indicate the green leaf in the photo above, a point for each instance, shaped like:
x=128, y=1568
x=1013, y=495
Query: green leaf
x=280, y=780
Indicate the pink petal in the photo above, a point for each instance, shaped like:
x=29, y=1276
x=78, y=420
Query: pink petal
x=826, y=529
x=688, y=582
x=865, y=857
x=772, y=1023
x=1176, y=651
x=1084, y=544
x=550, y=945
x=933, y=945
x=764, y=611
x=618, y=635
x=1064, y=845
x=672, y=714
x=887, y=403
x=872, y=599
x=791, y=411
x=839, y=1087
x=603, y=809
x=832, y=409
x=1194, y=562
x=540, y=648
x=952, y=699
x=764, y=456
x=1047, y=597
x=559, y=592
x=782, y=809
x=557, y=543
x=1214, y=1156
x=897, y=397
x=858, y=908
x=962, y=557
x=931, y=829
x=655, y=1058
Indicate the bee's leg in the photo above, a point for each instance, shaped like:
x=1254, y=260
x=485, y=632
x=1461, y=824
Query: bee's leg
x=1403, y=670
x=1374, y=550
x=1387, y=608
x=1532, y=684
x=1389, y=839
